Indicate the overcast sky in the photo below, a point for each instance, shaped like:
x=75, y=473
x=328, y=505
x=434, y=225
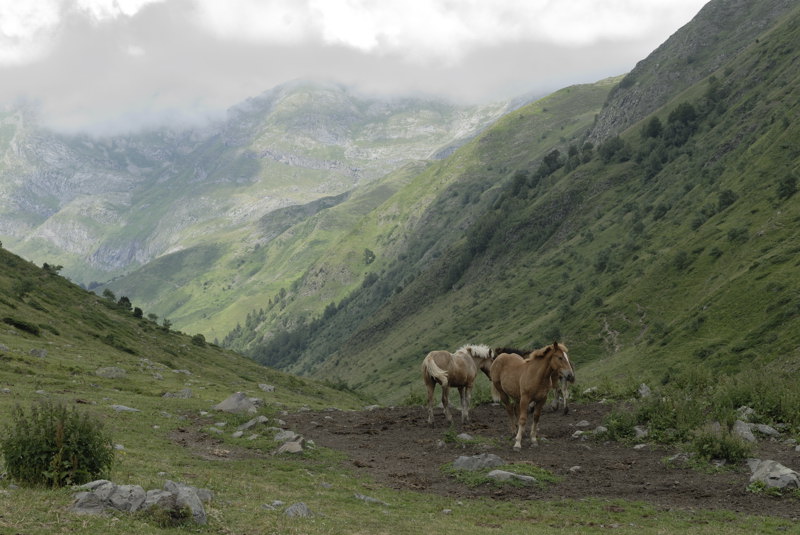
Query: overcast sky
x=108, y=66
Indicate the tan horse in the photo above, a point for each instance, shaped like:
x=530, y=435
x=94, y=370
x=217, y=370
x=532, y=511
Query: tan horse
x=458, y=370
x=528, y=381
x=561, y=393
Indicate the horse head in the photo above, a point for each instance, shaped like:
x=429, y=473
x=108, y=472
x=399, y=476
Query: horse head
x=560, y=364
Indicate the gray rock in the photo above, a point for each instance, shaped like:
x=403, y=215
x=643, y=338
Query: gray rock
x=267, y=388
x=765, y=430
x=299, y=509
x=160, y=498
x=478, y=462
x=186, y=393
x=464, y=436
x=644, y=391
x=237, y=403
x=255, y=421
x=641, y=431
x=369, y=499
x=186, y=496
x=87, y=503
x=123, y=408
x=286, y=436
x=126, y=498
x=40, y=353
x=773, y=474
x=111, y=372
x=742, y=430
x=290, y=447
x=502, y=475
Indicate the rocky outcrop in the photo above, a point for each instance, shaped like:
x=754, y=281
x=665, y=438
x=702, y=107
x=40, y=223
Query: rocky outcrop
x=719, y=31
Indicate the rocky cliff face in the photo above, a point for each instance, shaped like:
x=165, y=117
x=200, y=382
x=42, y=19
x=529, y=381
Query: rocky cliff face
x=719, y=32
x=98, y=206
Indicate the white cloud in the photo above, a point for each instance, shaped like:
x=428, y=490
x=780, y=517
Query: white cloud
x=152, y=61
x=25, y=30
x=284, y=22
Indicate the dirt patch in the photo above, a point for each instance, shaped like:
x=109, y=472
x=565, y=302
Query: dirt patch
x=396, y=447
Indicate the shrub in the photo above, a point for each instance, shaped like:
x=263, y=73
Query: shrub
x=22, y=325
x=55, y=446
x=716, y=442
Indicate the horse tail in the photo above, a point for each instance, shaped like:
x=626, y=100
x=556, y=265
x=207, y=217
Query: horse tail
x=496, y=394
x=435, y=372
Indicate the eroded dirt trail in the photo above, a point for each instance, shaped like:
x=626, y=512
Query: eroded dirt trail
x=396, y=447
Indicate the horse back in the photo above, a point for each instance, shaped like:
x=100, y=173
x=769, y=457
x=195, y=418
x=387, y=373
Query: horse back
x=505, y=373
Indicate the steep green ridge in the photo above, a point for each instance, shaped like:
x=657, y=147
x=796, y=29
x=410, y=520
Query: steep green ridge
x=670, y=247
x=103, y=206
x=54, y=336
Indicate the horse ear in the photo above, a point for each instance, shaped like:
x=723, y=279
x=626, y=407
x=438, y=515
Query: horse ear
x=555, y=344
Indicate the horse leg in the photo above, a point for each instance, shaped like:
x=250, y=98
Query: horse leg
x=537, y=412
x=510, y=409
x=522, y=420
x=430, y=386
x=445, y=404
x=461, y=394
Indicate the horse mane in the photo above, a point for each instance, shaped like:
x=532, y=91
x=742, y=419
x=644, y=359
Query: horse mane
x=542, y=351
x=479, y=350
x=521, y=352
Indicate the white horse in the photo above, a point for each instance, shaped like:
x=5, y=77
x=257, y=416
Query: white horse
x=458, y=370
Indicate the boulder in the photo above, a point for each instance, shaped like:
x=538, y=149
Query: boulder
x=502, y=475
x=237, y=403
x=186, y=496
x=126, y=498
x=742, y=430
x=186, y=393
x=298, y=510
x=478, y=462
x=773, y=474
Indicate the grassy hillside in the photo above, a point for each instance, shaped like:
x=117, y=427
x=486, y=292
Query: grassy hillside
x=669, y=248
x=55, y=338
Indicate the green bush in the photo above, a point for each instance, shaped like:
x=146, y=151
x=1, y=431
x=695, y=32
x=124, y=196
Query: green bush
x=716, y=442
x=55, y=446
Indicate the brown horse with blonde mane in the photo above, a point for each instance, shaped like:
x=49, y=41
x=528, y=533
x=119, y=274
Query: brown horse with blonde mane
x=560, y=390
x=458, y=370
x=527, y=381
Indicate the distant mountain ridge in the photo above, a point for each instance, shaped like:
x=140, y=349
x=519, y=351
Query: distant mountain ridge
x=667, y=245
x=101, y=206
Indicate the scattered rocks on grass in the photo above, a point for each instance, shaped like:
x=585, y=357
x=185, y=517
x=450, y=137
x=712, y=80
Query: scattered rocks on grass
x=186, y=393
x=299, y=509
x=237, y=403
x=110, y=372
x=101, y=495
x=123, y=408
x=478, y=462
x=369, y=499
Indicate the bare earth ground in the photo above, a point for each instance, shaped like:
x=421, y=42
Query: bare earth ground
x=397, y=447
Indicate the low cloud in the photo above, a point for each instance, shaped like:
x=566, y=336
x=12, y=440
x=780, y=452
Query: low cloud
x=115, y=65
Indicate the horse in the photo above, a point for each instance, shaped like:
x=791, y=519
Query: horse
x=561, y=392
x=458, y=370
x=561, y=396
x=527, y=381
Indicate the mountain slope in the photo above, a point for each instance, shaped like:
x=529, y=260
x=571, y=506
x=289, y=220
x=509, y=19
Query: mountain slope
x=101, y=207
x=668, y=248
